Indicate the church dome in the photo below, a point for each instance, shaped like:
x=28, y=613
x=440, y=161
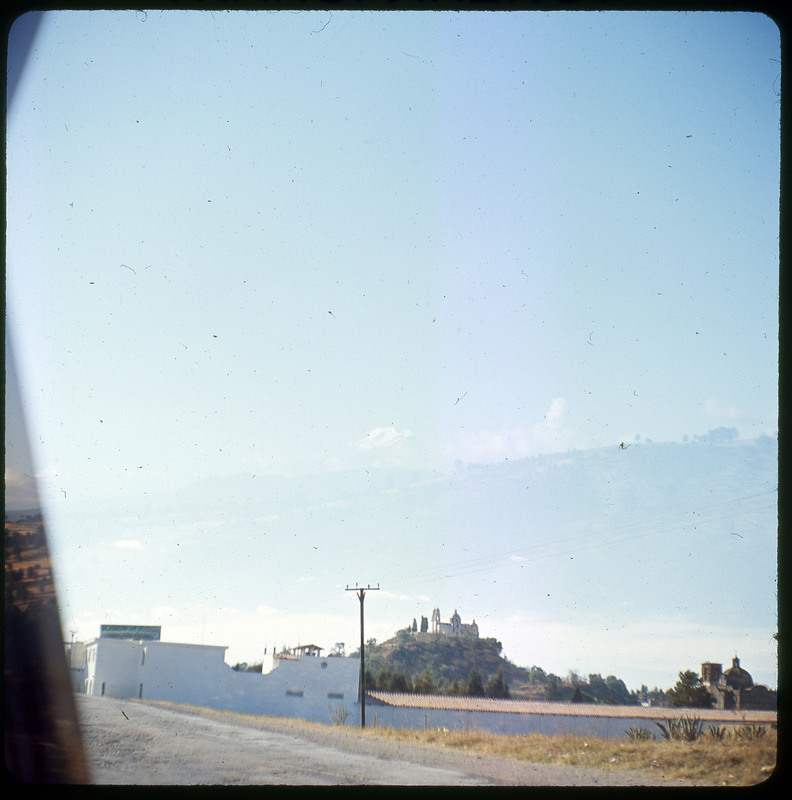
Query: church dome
x=737, y=677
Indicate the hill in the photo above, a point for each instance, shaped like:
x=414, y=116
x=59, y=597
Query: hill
x=448, y=659
x=426, y=663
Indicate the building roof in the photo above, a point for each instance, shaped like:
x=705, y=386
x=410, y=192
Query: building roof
x=152, y=643
x=447, y=702
x=736, y=676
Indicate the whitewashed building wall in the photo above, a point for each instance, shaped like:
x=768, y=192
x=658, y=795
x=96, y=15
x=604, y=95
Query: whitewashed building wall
x=181, y=673
x=313, y=688
x=113, y=667
x=608, y=723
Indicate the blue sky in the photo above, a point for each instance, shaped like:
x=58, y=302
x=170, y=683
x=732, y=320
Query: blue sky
x=313, y=244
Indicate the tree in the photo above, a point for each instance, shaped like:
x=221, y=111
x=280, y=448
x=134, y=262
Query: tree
x=475, y=685
x=597, y=685
x=393, y=680
x=496, y=685
x=245, y=667
x=553, y=688
x=338, y=649
x=369, y=680
x=425, y=682
x=617, y=690
x=424, y=625
x=384, y=679
x=579, y=696
x=401, y=682
x=657, y=696
x=536, y=675
x=690, y=692
x=414, y=626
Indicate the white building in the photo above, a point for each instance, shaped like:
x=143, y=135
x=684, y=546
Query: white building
x=455, y=627
x=302, y=685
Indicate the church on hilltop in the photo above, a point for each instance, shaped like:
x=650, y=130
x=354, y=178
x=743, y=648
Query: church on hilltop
x=455, y=627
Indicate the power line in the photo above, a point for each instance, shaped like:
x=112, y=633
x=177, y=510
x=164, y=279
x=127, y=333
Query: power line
x=588, y=541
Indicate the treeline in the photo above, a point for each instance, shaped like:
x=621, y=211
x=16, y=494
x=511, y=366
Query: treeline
x=596, y=689
x=429, y=682
x=455, y=665
x=243, y=666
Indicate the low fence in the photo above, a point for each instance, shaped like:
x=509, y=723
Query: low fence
x=523, y=717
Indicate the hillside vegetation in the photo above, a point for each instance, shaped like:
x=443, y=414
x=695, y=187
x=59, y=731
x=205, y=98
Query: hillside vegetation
x=425, y=663
x=428, y=663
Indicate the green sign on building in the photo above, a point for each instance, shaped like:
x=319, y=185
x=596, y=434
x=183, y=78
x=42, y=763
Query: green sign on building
x=150, y=633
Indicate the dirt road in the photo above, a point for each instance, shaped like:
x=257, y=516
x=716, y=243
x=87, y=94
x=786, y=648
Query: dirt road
x=130, y=742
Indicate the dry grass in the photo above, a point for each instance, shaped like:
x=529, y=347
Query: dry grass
x=728, y=762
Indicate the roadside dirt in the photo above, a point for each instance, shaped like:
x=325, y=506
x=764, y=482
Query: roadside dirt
x=132, y=742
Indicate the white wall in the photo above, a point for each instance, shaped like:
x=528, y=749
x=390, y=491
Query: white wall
x=319, y=689
x=182, y=673
x=523, y=723
x=309, y=688
x=113, y=667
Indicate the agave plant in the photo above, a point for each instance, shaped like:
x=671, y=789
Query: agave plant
x=687, y=729
x=750, y=731
x=638, y=734
x=669, y=729
x=717, y=731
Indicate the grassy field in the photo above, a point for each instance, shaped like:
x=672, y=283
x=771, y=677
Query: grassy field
x=730, y=761
x=726, y=762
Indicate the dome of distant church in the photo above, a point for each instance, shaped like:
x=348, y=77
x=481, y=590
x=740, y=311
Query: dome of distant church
x=737, y=677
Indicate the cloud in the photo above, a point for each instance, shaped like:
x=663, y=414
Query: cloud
x=383, y=447
x=721, y=412
x=20, y=490
x=547, y=436
x=128, y=544
x=382, y=437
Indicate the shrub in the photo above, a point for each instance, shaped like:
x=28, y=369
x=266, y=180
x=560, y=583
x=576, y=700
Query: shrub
x=338, y=715
x=687, y=729
x=717, y=732
x=750, y=731
x=638, y=734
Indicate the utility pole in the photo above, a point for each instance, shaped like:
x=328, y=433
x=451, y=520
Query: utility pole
x=361, y=593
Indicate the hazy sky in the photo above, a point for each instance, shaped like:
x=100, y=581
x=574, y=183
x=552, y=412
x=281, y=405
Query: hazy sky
x=294, y=244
